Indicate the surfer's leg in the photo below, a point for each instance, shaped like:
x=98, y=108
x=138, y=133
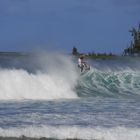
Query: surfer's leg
x=81, y=69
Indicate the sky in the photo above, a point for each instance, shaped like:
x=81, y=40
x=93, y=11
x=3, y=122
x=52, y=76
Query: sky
x=89, y=25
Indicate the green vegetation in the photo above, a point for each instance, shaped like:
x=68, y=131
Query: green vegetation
x=93, y=54
x=100, y=55
x=75, y=51
x=134, y=48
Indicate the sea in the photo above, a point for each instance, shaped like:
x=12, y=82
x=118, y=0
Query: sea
x=45, y=97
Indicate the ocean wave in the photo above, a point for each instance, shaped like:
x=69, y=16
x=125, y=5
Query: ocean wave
x=55, y=79
x=109, y=83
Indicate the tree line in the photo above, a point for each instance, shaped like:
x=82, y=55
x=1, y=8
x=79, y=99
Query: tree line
x=91, y=54
x=134, y=47
x=131, y=50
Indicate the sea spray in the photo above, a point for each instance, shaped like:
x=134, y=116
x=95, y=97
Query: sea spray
x=55, y=78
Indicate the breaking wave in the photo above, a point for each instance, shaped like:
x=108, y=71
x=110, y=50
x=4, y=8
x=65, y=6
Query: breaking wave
x=109, y=83
x=55, y=79
x=55, y=76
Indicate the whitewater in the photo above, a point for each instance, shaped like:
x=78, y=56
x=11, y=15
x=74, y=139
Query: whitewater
x=50, y=76
x=44, y=96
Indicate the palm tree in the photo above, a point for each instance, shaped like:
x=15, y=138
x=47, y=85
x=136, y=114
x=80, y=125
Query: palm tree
x=75, y=51
x=135, y=43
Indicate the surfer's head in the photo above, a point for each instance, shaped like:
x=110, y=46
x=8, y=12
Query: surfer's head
x=81, y=56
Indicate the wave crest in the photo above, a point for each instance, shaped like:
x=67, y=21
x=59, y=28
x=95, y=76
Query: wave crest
x=124, y=83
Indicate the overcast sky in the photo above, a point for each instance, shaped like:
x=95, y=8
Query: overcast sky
x=90, y=25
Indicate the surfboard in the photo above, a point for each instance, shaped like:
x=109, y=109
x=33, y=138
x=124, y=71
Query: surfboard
x=85, y=71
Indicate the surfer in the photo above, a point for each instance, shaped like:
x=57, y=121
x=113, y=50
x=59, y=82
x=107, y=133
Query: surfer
x=82, y=64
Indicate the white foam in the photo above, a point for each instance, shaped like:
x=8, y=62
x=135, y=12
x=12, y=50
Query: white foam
x=55, y=82
x=118, y=133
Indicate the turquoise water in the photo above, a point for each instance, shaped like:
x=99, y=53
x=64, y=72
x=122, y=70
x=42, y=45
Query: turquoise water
x=47, y=98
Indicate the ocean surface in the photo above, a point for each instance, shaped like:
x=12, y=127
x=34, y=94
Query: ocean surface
x=44, y=96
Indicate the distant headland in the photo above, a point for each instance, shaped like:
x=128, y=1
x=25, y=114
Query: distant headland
x=132, y=50
x=94, y=55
